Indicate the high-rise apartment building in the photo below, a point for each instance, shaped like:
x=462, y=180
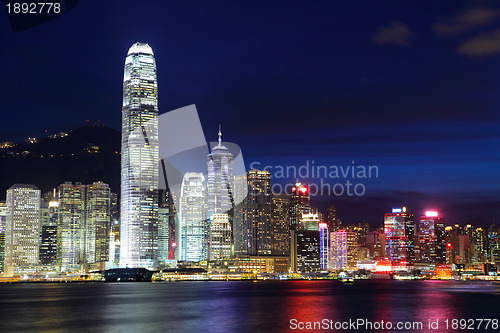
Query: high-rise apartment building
x=97, y=222
x=84, y=224
x=22, y=228
x=139, y=160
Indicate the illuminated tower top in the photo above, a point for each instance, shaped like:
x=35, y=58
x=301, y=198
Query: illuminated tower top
x=140, y=48
x=299, y=203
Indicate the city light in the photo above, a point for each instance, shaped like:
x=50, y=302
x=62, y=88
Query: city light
x=431, y=213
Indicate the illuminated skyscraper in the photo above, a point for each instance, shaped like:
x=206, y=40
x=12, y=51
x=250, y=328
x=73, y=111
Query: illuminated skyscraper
x=324, y=246
x=220, y=185
x=22, y=227
x=431, y=238
x=139, y=160
x=71, y=226
x=299, y=204
x=479, y=243
x=252, y=223
x=280, y=220
x=193, y=225
x=97, y=222
x=305, y=251
x=343, y=250
x=494, y=244
x=219, y=180
x=399, y=232
x=220, y=237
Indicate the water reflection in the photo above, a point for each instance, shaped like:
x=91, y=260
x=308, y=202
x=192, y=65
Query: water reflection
x=234, y=306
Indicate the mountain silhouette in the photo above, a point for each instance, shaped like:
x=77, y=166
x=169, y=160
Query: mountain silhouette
x=86, y=155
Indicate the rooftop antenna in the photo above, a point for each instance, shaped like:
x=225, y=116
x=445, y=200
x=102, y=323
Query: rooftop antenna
x=220, y=135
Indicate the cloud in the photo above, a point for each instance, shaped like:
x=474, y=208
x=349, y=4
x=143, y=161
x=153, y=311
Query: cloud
x=483, y=45
x=471, y=19
x=397, y=33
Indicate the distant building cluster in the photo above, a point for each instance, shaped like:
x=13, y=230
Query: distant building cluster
x=79, y=228
x=65, y=231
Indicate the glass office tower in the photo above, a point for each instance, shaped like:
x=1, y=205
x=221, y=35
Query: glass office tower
x=139, y=160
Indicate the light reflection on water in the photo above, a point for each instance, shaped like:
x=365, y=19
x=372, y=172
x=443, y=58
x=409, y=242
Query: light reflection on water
x=235, y=306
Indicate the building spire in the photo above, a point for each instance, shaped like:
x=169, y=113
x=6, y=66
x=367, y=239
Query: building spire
x=220, y=136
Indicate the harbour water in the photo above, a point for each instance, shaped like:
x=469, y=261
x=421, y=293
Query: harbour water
x=264, y=306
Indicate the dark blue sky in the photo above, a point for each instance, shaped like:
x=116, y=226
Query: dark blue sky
x=409, y=86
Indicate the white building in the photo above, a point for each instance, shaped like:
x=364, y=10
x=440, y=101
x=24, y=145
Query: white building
x=220, y=237
x=22, y=228
x=193, y=224
x=139, y=163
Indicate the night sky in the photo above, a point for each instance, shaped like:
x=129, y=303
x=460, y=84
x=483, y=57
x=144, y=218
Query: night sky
x=411, y=87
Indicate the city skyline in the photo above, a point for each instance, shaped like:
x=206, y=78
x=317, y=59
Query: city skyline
x=357, y=186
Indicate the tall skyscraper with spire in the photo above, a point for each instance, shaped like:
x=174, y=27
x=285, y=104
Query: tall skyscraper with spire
x=219, y=179
x=220, y=187
x=139, y=160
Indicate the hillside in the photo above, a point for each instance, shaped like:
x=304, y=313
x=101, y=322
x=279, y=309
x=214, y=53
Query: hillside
x=88, y=154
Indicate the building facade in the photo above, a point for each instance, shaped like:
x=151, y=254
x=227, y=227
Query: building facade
x=22, y=228
x=220, y=240
x=280, y=220
x=399, y=232
x=431, y=238
x=252, y=221
x=139, y=160
x=193, y=225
